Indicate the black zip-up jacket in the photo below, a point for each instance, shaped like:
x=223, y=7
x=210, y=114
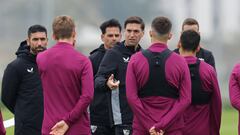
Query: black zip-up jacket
x=22, y=92
x=96, y=57
x=114, y=62
x=99, y=100
x=203, y=54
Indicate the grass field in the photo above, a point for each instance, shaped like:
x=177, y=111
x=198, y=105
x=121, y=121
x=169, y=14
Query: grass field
x=228, y=126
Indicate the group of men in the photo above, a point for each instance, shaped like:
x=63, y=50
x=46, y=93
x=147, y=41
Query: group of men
x=129, y=90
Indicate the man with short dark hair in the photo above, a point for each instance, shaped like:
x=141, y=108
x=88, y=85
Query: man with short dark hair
x=202, y=53
x=67, y=81
x=158, y=85
x=111, y=35
x=21, y=84
x=110, y=79
x=203, y=116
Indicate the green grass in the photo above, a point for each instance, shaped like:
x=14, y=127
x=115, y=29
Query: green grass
x=7, y=115
x=229, y=125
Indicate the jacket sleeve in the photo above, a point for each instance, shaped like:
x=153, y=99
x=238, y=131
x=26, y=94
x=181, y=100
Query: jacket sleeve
x=234, y=87
x=86, y=94
x=215, y=106
x=107, y=67
x=10, y=86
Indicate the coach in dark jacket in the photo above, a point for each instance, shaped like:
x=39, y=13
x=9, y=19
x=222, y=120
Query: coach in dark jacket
x=111, y=35
x=110, y=80
x=21, y=84
x=202, y=54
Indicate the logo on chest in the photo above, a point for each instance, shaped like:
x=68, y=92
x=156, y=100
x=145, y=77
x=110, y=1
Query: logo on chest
x=30, y=70
x=126, y=60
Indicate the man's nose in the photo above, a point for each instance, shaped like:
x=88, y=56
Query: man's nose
x=39, y=42
x=132, y=33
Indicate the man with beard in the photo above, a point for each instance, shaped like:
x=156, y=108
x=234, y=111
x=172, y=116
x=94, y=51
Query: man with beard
x=21, y=84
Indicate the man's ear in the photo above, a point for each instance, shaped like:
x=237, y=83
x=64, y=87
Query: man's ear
x=150, y=33
x=102, y=37
x=54, y=37
x=28, y=41
x=170, y=36
x=198, y=48
x=74, y=34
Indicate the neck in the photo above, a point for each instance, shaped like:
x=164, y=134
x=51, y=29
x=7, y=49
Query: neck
x=69, y=41
x=186, y=53
x=33, y=53
x=153, y=41
x=135, y=46
x=105, y=46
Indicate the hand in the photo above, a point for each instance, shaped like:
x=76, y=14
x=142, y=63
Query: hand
x=153, y=131
x=60, y=128
x=112, y=83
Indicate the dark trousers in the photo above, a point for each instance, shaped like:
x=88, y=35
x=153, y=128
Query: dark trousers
x=115, y=130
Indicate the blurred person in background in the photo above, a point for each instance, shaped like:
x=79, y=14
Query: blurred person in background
x=203, y=116
x=67, y=80
x=111, y=35
x=111, y=75
x=202, y=53
x=21, y=84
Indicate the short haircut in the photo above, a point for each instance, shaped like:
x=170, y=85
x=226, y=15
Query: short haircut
x=63, y=27
x=190, y=40
x=190, y=21
x=110, y=23
x=36, y=28
x=135, y=19
x=162, y=25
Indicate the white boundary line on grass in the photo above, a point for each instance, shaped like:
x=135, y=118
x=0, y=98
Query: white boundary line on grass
x=8, y=123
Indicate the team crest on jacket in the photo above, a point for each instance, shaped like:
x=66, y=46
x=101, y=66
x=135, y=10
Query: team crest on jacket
x=126, y=131
x=93, y=128
x=126, y=60
x=30, y=70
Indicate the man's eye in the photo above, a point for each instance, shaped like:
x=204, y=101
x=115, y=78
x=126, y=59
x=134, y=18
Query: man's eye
x=35, y=39
x=43, y=39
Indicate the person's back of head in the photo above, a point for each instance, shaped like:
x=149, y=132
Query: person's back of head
x=161, y=29
x=190, y=40
x=63, y=27
x=110, y=23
